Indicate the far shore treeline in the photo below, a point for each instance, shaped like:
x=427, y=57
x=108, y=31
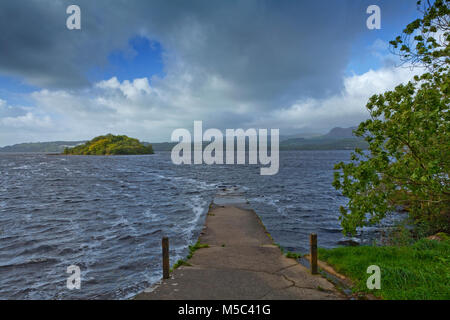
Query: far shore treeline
x=110, y=145
x=336, y=139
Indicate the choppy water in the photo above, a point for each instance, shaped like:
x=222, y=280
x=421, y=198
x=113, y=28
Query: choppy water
x=107, y=215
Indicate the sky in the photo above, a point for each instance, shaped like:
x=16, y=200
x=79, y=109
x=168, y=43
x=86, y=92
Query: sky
x=145, y=68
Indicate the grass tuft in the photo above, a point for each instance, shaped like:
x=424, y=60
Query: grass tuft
x=293, y=255
x=192, y=249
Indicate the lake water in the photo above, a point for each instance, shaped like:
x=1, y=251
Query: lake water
x=107, y=215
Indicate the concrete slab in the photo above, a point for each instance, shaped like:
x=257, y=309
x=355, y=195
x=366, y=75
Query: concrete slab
x=240, y=263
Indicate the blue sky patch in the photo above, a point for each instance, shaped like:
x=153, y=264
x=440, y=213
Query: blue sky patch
x=143, y=58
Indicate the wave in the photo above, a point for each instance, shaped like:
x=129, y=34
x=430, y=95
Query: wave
x=29, y=262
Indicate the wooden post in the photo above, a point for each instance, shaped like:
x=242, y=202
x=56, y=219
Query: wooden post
x=313, y=245
x=165, y=256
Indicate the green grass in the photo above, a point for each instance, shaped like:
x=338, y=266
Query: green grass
x=289, y=254
x=420, y=271
x=293, y=255
x=192, y=249
x=195, y=247
x=180, y=263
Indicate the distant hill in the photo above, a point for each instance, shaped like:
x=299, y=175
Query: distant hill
x=110, y=145
x=161, y=146
x=340, y=133
x=50, y=147
x=299, y=135
x=336, y=139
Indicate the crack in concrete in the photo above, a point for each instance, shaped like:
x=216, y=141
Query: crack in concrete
x=275, y=273
x=285, y=268
x=294, y=284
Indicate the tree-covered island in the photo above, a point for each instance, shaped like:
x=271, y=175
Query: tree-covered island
x=110, y=145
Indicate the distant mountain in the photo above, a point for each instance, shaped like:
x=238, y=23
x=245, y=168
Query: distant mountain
x=50, y=147
x=337, y=139
x=340, y=133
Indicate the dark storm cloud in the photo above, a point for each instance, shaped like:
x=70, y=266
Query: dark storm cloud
x=267, y=48
x=35, y=44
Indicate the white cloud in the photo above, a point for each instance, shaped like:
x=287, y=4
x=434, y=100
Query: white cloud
x=151, y=112
x=27, y=121
x=20, y=123
x=345, y=109
x=132, y=90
